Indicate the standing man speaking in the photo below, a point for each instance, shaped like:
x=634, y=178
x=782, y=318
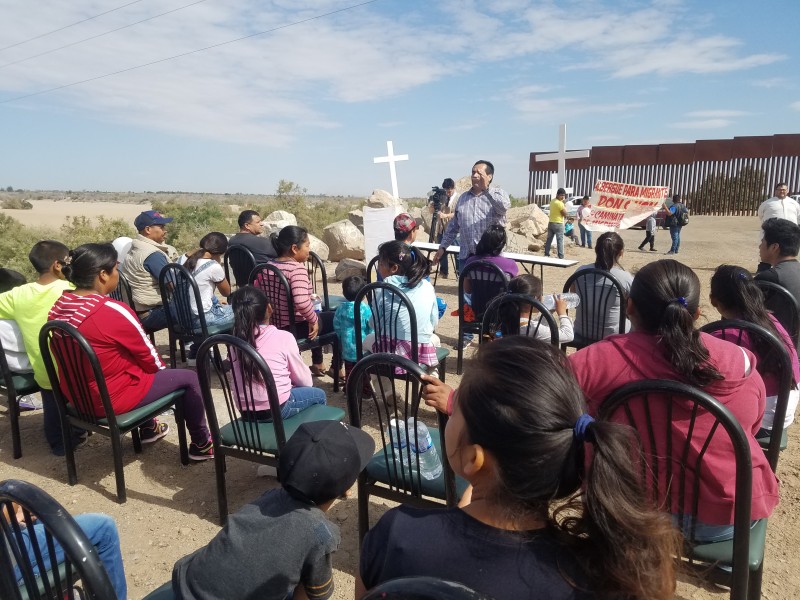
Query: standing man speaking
x=476, y=209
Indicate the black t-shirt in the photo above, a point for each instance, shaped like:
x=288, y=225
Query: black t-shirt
x=449, y=544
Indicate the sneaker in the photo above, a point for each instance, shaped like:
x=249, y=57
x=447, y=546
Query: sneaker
x=466, y=344
x=191, y=362
x=653, y=250
x=29, y=402
x=204, y=452
x=148, y=435
x=671, y=252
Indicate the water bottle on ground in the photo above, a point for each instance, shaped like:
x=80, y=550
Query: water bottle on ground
x=430, y=467
x=549, y=300
x=397, y=437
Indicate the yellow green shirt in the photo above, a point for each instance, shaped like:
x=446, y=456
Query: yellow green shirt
x=556, y=206
x=29, y=306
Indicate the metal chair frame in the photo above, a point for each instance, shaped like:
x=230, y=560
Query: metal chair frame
x=594, y=279
x=372, y=268
x=423, y=588
x=240, y=261
x=777, y=297
x=318, y=274
x=13, y=395
x=490, y=324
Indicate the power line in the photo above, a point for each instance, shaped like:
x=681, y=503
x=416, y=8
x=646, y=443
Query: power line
x=161, y=60
x=94, y=37
x=41, y=35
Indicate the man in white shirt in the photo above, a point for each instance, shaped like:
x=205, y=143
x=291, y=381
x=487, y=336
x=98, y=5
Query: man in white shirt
x=780, y=206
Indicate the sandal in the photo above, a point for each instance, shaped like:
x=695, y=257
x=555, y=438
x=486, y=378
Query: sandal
x=318, y=371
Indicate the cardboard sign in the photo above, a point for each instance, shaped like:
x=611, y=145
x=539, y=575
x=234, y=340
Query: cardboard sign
x=622, y=205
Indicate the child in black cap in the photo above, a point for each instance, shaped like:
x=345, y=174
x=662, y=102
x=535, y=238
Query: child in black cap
x=282, y=541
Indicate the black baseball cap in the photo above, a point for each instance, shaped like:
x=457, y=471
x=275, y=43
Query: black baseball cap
x=323, y=459
x=150, y=217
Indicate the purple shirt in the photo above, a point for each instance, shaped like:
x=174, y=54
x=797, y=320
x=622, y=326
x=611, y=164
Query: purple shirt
x=509, y=266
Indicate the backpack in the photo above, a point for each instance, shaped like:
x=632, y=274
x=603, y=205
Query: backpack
x=683, y=217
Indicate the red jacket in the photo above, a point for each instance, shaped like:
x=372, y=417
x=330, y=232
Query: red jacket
x=619, y=359
x=128, y=359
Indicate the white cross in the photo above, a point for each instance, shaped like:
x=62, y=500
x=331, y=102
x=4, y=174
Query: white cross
x=561, y=156
x=553, y=189
x=391, y=159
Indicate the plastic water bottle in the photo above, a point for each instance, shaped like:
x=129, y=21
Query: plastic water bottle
x=430, y=467
x=317, y=302
x=549, y=300
x=397, y=437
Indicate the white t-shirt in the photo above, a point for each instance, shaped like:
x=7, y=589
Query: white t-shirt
x=14, y=347
x=782, y=209
x=207, y=277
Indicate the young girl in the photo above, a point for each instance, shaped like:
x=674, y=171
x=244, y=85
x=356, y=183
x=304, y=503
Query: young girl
x=205, y=264
x=539, y=520
x=402, y=268
x=252, y=311
x=134, y=373
x=489, y=248
x=663, y=306
x=293, y=247
x=516, y=319
x=608, y=249
x=735, y=295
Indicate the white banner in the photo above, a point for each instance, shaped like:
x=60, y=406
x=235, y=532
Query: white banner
x=622, y=205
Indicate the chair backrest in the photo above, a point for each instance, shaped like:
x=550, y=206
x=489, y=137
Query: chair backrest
x=123, y=291
x=785, y=307
x=395, y=397
x=237, y=394
x=319, y=277
x=75, y=373
x=423, y=588
x=240, y=261
x=52, y=580
x=393, y=318
x=372, y=269
x=274, y=284
x=602, y=296
x=741, y=333
x=511, y=306
x=179, y=293
x=677, y=427
x=487, y=281
x=6, y=381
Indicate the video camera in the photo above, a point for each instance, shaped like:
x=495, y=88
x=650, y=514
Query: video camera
x=438, y=197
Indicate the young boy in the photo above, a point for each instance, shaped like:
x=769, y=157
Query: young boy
x=344, y=321
x=28, y=305
x=405, y=228
x=280, y=545
x=650, y=233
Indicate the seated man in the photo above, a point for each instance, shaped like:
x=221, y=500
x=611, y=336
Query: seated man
x=148, y=255
x=249, y=236
x=280, y=545
x=779, y=247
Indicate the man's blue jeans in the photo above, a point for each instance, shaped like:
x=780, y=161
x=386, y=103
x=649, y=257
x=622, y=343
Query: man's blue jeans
x=555, y=230
x=675, y=234
x=102, y=533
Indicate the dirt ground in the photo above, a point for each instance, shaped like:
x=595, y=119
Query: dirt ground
x=172, y=510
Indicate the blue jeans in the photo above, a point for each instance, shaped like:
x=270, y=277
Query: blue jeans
x=52, y=424
x=155, y=320
x=219, y=315
x=675, y=234
x=301, y=398
x=102, y=533
x=555, y=230
x=586, y=236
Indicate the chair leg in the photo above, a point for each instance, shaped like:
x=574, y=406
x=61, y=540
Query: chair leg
x=173, y=350
x=137, y=440
x=180, y=423
x=443, y=369
x=460, y=351
x=13, y=414
x=183, y=351
x=69, y=452
x=337, y=364
x=119, y=472
x=363, y=508
x=754, y=583
x=222, y=493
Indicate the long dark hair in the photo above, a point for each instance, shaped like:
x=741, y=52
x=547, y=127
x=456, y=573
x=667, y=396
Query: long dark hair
x=520, y=402
x=249, y=305
x=666, y=295
x=409, y=262
x=527, y=284
x=608, y=248
x=492, y=241
x=735, y=289
x=289, y=236
x=213, y=243
x=85, y=262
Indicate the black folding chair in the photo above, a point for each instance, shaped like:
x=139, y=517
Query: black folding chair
x=15, y=385
x=676, y=426
x=76, y=376
x=423, y=588
x=124, y=294
x=43, y=577
x=492, y=323
x=739, y=332
x=372, y=269
x=391, y=475
x=235, y=429
x=784, y=306
x=319, y=282
x=602, y=296
x=240, y=261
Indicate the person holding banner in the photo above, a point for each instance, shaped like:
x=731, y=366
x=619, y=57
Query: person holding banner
x=583, y=213
x=555, y=228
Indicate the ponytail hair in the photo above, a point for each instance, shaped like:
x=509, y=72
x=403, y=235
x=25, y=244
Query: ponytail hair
x=527, y=284
x=608, y=248
x=521, y=402
x=289, y=236
x=735, y=289
x=84, y=263
x=409, y=261
x=213, y=243
x=249, y=305
x=666, y=296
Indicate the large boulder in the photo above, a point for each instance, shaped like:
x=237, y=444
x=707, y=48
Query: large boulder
x=318, y=246
x=517, y=215
x=344, y=241
x=348, y=267
x=517, y=243
x=530, y=228
x=356, y=217
x=277, y=220
x=383, y=199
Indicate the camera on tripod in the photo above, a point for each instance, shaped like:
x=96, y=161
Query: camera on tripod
x=438, y=197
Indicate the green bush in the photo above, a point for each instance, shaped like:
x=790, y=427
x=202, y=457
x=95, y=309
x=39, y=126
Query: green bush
x=16, y=204
x=193, y=221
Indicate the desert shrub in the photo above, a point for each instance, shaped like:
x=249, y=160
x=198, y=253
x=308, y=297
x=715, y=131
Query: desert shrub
x=313, y=216
x=193, y=221
x=81, y=230
x=15, y=243
x=16, y=204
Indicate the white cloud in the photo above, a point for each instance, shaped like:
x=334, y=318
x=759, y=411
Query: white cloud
x=769, y=83
x=702, y=124
x=717, y=114
x=795, y=105
x=534, y=105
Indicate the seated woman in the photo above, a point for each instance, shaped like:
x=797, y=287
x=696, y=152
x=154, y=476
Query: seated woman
x=736, y=296
x=539, y=521
x=516, y=319
x=135, y=375
x=205, y=264
x=663, y=307
x=279, y=349
x=608, y=249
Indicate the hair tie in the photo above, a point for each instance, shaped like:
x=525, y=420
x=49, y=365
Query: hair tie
x=680, y=300
x=401, y=256
x=581, y=428
x=68, y=260
x=742, y=275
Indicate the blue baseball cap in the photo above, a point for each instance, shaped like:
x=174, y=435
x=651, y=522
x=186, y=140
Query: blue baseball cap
x=150, y=217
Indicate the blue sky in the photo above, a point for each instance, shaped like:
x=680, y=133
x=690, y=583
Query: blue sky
x=447, y=81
